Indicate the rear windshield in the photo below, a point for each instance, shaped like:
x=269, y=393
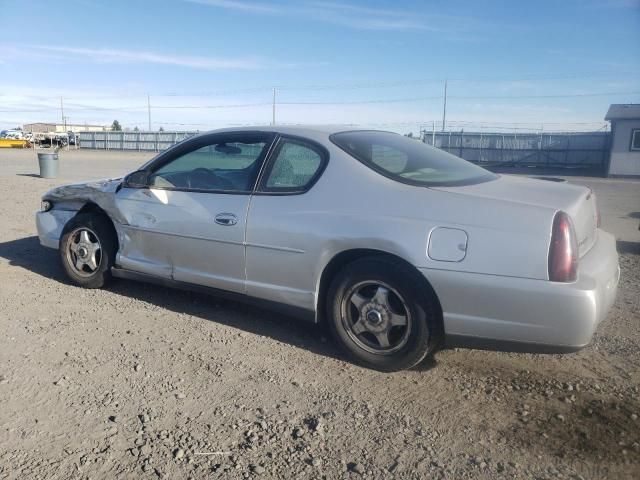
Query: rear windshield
x=408, y=160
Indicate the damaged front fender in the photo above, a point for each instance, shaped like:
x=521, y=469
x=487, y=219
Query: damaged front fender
x=101, y=193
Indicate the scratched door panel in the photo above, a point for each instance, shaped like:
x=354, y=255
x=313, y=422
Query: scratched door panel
x=175, y=234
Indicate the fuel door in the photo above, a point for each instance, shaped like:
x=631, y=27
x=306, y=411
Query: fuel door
x=447, y=244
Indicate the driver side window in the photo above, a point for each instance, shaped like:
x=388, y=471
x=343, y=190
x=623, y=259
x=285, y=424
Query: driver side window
x=229, y=166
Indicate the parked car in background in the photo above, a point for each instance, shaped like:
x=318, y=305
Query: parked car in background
x=12, y=134
x=51, y=139
x=73, y=138
x=399, y=246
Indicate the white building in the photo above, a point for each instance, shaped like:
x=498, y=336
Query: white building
x=624, y=158
x=62, y=128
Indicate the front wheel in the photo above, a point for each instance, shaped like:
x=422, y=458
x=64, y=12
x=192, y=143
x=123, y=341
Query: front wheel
x=380, y=315
x=87, y=250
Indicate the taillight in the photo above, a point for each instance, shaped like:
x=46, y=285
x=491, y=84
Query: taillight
x=563, y=251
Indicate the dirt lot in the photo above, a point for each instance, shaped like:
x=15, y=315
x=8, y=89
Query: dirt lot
x=139, y=381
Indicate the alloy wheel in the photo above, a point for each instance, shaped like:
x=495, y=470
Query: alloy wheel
x=376, y=317
x=84, y=251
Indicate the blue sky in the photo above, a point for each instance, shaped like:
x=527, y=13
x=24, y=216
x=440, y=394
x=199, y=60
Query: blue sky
x=213, y=63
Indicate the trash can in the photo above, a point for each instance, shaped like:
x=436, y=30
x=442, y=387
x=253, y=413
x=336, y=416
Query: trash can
x=48, y=165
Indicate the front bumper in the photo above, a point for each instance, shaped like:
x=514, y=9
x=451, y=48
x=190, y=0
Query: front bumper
x=518, y=314
x=50, y=225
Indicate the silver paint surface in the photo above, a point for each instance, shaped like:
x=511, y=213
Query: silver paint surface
x=490, y=272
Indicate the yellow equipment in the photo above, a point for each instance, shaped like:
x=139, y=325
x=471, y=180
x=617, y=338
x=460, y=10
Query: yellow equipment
x=11, y=143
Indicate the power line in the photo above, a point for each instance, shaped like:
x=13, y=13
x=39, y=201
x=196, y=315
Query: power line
x=273, y=108
x=573, y=95
x=149, y=109
x=337, y=102
x=444, y=108
x=473, y=78
x=467, y=97
x=366, y=85
x=237, y=105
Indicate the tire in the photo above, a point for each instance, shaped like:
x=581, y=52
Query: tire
x=79, y=254
x=360, y=319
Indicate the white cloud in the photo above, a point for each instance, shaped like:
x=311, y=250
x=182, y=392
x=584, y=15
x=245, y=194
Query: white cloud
x=102, y=55
x=110, y=55
x=366, y=18
x=344, y=14
x=238, y=5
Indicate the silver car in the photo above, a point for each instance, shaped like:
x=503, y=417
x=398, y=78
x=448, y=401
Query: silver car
x=398, y=246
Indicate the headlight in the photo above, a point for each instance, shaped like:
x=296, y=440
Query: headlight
x=45, y=206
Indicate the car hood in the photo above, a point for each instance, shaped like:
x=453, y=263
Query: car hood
x=99, y=192
x=73, y=190
x=578, y=201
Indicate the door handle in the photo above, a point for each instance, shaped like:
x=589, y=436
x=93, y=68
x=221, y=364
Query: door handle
x=226, y=219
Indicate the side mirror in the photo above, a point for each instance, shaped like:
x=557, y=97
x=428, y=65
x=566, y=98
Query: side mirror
x=139, y=179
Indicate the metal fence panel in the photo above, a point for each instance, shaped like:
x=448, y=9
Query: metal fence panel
x=132, y=141
x=586, y=150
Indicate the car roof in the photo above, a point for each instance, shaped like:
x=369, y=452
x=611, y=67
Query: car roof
x=311, y=131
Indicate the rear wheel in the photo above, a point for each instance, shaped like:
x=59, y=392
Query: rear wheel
x=87, y=250
x=380, y=315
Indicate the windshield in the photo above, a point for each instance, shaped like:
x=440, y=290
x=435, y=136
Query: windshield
x=408, y=160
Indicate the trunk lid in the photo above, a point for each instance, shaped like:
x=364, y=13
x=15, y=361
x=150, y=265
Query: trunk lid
x=579, y=202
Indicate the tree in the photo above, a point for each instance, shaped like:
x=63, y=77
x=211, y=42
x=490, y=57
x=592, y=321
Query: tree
x=161, y=129
x=115, y=126
x=410, y=135
x=136, y=129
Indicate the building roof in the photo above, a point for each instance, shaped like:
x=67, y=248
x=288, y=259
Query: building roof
x=63, y=124
x=623, y=111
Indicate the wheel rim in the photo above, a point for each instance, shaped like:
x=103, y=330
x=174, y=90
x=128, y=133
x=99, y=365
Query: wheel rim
x=84, y=252
x=376, y=317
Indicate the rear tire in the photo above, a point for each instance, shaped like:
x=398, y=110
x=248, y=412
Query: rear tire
x=380, y=315
x=87, y=250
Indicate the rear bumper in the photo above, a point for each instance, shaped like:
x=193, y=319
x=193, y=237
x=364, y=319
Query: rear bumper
x=518, y=314
x=50, y=225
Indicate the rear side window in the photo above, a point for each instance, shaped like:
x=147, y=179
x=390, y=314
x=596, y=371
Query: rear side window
x=408, y=160
x=294, y=168
x=389, y=158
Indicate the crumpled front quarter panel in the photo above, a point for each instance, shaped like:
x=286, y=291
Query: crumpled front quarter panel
x=74, y=196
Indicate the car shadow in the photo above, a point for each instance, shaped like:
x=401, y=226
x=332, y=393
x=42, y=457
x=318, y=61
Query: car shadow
x=27, y=253
x=628, y=247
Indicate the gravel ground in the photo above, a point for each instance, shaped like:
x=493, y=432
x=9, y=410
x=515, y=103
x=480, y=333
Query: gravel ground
x=139, y=381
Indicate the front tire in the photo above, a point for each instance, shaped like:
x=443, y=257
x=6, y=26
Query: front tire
x=380, y=315
x=87, y=250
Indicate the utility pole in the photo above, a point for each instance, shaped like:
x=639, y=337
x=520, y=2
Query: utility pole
x=62, y=114
x=444, y=109
x=273, y=108
x=149, y=110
